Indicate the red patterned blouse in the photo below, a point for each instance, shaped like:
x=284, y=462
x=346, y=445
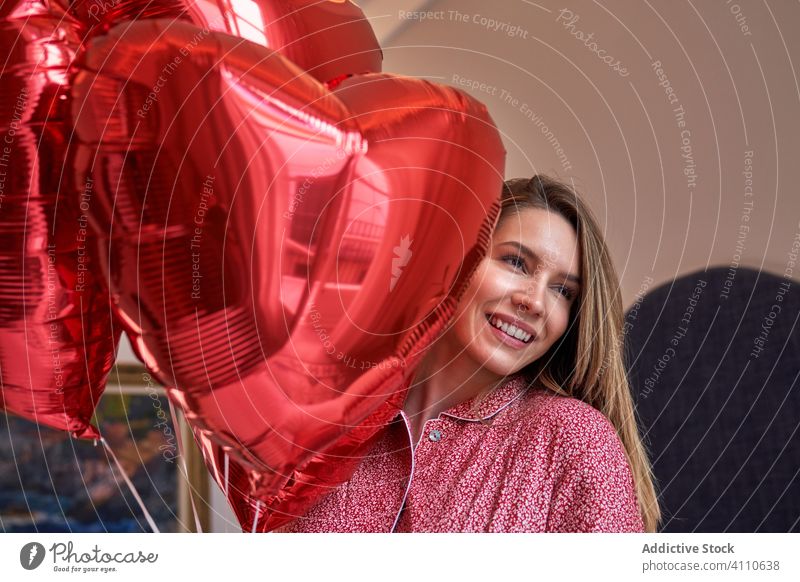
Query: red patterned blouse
x=526, y=460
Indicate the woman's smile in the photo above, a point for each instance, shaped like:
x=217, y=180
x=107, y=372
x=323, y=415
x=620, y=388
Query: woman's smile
x=508, y=333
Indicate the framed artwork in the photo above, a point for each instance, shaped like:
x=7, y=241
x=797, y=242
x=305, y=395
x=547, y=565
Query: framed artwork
x=52, y=482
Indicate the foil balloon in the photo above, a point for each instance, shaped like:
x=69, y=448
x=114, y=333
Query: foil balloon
x=57, y=334
x=328, y=39
x=281, y=254
x=57, y=341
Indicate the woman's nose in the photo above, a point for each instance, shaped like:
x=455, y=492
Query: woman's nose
x=529, y=301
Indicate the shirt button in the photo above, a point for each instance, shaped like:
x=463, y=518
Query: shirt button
x=435, y=435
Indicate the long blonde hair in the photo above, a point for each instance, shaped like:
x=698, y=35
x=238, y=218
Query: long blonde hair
x=587, y=362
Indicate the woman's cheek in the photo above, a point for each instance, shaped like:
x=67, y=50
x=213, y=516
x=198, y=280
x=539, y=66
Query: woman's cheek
x=498, y=282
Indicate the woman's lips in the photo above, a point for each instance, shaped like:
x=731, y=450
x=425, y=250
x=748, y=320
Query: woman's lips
x=505, y=338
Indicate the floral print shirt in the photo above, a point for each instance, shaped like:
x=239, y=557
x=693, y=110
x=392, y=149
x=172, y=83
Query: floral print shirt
x=523, y=460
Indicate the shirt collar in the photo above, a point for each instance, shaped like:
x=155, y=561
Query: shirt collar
x=493, y=403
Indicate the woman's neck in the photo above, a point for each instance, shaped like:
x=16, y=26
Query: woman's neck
x=444, y=379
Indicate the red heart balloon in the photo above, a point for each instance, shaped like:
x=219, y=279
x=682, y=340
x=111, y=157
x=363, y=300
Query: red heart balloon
x=280, y=253
x=57, y=341
x=57, y=334
x=329, y=39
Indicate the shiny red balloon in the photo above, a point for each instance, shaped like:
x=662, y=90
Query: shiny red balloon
x=56, y=338
x=282, y=254
x=328, y=39
x=57, y=341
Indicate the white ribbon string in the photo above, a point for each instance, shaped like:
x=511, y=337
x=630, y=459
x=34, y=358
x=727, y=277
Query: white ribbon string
x=135, y=493
x=255, y=519
x=227, y=464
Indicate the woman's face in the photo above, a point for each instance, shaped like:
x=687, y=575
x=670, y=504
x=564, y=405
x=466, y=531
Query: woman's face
x=529, y=279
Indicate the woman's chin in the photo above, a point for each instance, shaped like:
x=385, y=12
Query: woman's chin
x=500, y=366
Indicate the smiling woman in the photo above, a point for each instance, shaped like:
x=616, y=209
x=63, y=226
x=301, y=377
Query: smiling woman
x=520, y=416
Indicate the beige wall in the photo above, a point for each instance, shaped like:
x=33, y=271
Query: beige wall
x=620, y=136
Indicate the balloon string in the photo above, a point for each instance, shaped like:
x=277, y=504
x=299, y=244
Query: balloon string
x=182, y=451
x=227, y=465
x=135, y=493
x=255, y=519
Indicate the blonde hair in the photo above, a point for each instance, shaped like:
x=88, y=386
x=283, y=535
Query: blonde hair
x=587, y=362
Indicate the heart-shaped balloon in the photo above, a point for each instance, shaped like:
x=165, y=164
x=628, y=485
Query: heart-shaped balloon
x=54, y=31
x=280, y=253
x=329, y=39
x=57, y=341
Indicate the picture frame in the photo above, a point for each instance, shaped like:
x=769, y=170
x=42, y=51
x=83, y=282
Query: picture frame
x=52, y=482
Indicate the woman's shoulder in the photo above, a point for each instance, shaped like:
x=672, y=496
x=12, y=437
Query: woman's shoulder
x=564, y=412
x=571, y=447
x=571, y=424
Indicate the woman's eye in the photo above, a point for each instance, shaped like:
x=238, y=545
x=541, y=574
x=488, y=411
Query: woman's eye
x=515, y=260
x=565, y=291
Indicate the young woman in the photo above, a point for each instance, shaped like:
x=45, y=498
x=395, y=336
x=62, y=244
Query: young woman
x=520, y=417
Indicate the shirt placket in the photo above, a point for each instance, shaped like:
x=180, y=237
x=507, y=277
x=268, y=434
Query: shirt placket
x=432, y=438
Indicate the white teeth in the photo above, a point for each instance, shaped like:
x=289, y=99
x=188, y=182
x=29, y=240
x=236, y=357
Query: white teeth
x=511, y=330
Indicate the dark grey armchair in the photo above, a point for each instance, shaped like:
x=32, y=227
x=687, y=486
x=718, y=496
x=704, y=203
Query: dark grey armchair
x=714, y=359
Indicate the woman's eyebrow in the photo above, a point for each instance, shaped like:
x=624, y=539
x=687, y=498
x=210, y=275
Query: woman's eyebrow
x=521, y=248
